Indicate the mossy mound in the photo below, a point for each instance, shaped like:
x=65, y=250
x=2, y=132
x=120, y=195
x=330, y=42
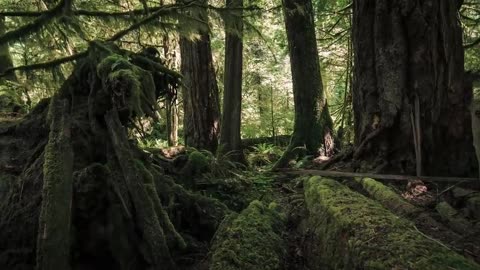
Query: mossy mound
x=349, y=231
x=250, y=240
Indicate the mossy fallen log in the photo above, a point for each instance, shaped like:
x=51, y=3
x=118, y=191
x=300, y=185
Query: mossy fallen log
x=349, y=231
x=250, y=240
x=387, y=197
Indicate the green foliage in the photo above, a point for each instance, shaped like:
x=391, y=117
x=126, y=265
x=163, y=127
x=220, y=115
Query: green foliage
x=263, y=154
x=11, y=99
x=470, y=19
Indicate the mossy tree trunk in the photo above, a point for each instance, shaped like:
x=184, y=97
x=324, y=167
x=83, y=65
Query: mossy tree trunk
x=307, y=82
x=230, y=138
x=408, y=86
x=53, y=244
x=200, y=92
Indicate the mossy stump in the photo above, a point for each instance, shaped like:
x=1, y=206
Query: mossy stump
x=346, y=230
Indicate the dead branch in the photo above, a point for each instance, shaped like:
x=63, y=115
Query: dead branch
x=377, y=176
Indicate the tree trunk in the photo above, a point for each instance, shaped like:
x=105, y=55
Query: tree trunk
x=200, y=91
x=172, y=121
x=5, y=58
x=230, y=139
x=306, y=78
x=407, y=53
x=53, y=244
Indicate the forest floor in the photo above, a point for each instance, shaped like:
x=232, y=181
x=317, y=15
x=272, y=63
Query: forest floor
x=445, y=213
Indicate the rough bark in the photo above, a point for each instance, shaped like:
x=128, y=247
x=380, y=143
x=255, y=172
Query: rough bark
x=200, y=92
x=230, y=138
x=307, y=82
x=409, y=52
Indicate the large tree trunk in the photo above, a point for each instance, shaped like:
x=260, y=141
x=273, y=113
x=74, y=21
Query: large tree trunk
x=409, y=77
x=200, y=93
x=307, y=82
x=230, y=139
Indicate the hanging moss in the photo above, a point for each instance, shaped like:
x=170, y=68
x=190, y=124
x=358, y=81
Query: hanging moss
x=131, y=87
x=350, y=231
x=250, y=240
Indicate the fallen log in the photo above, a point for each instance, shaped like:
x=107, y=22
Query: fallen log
x=346, y=230
x=388, y=198
x=392, y=177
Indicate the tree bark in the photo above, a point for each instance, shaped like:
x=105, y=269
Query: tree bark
x=307, y=82
x=53, y=241
x=407, y=52
x=200, y=93
x=230, y=139
x=5, y=58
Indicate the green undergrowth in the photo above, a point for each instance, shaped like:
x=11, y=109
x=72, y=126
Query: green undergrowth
x=351, y=231
x=241, y=188
x=225, y=180
x=250, y=240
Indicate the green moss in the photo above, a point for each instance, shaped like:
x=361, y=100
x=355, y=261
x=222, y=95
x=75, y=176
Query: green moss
x=111, y=63
x=198, y=161
x=53, y=247
x=387, y=197
x=351, y=231
x=172, y=237
x=250, y=240
x=129, y=84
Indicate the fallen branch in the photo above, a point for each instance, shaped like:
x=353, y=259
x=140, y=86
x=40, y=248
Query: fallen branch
x=377, y=176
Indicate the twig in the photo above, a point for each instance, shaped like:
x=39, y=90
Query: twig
x=430, y=238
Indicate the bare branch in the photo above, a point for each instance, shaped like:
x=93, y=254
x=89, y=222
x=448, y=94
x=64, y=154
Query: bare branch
x=472, y=44
x=45, y=65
